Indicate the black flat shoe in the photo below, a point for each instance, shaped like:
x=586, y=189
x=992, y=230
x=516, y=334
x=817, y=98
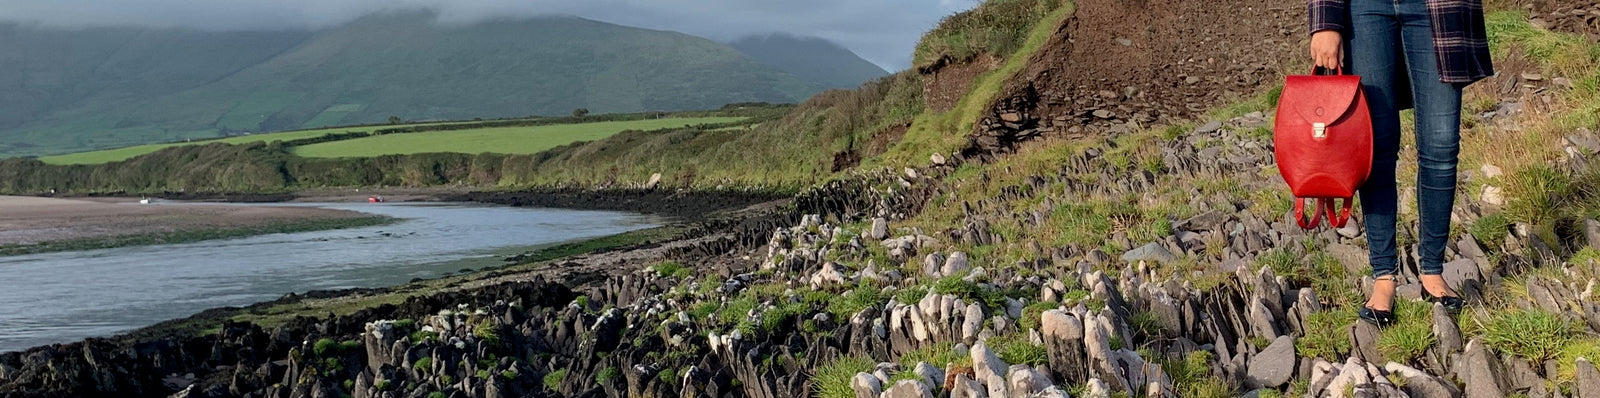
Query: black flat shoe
x=1378, y=318
x=1454, y=304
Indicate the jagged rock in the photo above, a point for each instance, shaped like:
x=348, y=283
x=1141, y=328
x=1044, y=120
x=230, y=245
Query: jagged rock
x=937, y=159
x=1419, y=384
x=1014, y=308
x=1023, y=381
x=1588, y=379
x=1591, y=232
x=1274, y=365
x=1364, y=341
x=1352, y=257
x=957, y=264
x=832, y=273
x=880, y=229
x=930, y=374
x=1063, y=342
x=932, y=264
x=1153, y=252
x=908, y=389
x=1208, y=221
x=1051, y=392
x=1491, y=171
x=1209, y=128
x=966, y=387
x=655, y=179
x=1480, y=370
x=1458, y=273
x=986, y=363
x=1096, y=389
x=1261, y=320
x=972, y=323
x=1445, y=330
x=1492, y=195
x=997, y=386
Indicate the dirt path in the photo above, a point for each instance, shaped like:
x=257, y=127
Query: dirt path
x=31, y=220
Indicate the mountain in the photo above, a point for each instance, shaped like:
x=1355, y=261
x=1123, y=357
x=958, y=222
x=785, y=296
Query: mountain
x=72, y=90
x=811, y=58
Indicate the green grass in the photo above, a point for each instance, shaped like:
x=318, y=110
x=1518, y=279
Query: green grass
x=1532, y=334
x=163, y=238
x=125, y=153
x=1326, y=337
x=832, y=380
x=508, y=140
x=552, y=380
x=1491, y=230
x=1015, y=349
x=1406, y=340
x=1191, y=377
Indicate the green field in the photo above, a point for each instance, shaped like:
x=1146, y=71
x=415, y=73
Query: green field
x=508, y=140
x=120, y=154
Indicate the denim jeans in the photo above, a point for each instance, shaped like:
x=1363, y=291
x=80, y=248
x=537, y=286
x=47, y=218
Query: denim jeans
x=1390, y=46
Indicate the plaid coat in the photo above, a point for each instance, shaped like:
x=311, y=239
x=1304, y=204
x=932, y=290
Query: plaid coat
x=1459, y=37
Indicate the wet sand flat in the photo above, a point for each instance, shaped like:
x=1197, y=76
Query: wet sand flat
x=32, y=220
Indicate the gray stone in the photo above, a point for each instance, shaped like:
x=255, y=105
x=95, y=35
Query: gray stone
x=1419, y=384
x=1023, y=380
x=1153, y=252
x=966, y=387
x=1480, y=370
x=932, y=264
x=1457, y=273
x=1209, y=128
x=866, y=385
x=1588, y=379
x=933, y=375
x=972, y=323
x=957, y=264
x=1591, y=231
x=986, y=364
x=908, y=389
x=937, y=159
x=1445, y=330
x=1014, y=308
x=1208, y=221
x=997, y=386
x=1354, y=258
x=1051, y=392
x=1364, y=341
x=655, y=179
x=1350, y=231
x=1274, y=365
x=880, y=229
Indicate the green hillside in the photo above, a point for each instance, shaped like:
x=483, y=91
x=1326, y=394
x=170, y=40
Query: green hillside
x=811, y=58
x=68, y=91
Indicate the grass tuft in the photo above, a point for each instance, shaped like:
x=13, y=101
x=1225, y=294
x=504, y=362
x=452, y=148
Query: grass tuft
x=832, y=380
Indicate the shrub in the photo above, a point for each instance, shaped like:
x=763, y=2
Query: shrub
x=325, y=346
x=1529, y=333
x=832, y=380
x=862, y=297
x=672, y=269
x=606, y=375
x=423, y=364
x=552, y=381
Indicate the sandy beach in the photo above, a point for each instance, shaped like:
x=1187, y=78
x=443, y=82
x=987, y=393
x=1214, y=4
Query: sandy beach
x=32, y=220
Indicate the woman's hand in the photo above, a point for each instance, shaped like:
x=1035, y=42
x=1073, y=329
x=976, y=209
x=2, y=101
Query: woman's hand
x=1327, y=49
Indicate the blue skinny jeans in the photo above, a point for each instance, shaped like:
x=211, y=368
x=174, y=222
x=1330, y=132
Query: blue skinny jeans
x=1390, y=45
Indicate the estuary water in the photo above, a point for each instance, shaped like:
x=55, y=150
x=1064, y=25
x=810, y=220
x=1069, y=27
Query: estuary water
x=67, y=296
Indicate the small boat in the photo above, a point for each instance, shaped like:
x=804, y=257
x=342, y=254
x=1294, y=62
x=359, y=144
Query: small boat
x=374, y=199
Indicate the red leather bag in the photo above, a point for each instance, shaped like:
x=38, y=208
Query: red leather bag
x=1323, y=144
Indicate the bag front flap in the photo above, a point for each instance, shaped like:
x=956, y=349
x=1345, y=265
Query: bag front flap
x=1320, y=99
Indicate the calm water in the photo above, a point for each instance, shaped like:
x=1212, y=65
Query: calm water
x=63, y=297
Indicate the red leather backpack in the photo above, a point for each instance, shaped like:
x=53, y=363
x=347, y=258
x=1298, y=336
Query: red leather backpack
x=1323, y=144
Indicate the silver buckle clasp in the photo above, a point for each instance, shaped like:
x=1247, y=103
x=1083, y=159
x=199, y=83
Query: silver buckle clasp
x=1319, y=130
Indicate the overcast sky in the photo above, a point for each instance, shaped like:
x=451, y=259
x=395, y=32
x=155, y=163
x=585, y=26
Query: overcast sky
x=882, y=31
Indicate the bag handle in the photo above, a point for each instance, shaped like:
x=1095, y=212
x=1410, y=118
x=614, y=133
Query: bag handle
x=1300, y=214
x=1337, y=218
x=1338, y=215
x=1338, y=71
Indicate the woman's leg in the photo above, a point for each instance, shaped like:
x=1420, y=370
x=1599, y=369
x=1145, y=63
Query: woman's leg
x=1375, y=55
x=1438, y=118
